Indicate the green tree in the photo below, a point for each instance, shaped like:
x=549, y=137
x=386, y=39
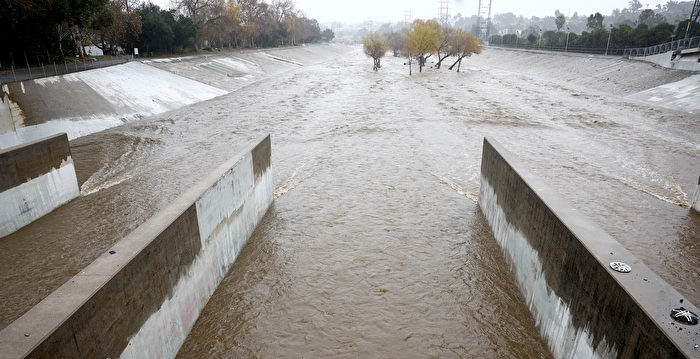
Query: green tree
x=660, y=34
x=126, y=28
x=532, y=37
x=510, y=39
x=157, y=33
x=44, y=27
x=463, y=45
x=421, y=41
x=560, y=20
x=621, y=36
x=634, y=5
x=445, y=34
x=396, y=41
x=683, y=27
x=327, y=35
x=374, y=47
x=595, y=22
x=550, y=37
x=640, y=35
x=184, y=32
x=651, y=19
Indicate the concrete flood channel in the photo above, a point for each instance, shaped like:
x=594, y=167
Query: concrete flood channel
x=375, y=244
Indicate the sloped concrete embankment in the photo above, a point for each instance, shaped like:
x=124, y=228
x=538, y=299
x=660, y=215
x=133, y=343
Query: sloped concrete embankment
x=85, y=102
x=142, y=297
x=610, y=74
x=234, y=70
x=683, y=95
x=688, y=62
x=35, y=179
x=562, y=266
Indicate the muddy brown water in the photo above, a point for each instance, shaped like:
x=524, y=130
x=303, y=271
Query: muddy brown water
x=375, y=245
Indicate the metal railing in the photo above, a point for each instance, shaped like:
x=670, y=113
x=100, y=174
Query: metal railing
x=55, y=69
x=558, y=48
x=692, y=42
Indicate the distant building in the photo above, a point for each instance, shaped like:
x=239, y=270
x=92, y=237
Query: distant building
x=93, y=50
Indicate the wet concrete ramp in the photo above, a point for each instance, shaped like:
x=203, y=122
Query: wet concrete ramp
x=683, y=95
x=90, y=101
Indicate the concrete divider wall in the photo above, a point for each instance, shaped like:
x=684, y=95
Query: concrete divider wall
x=561, y=264
x=142, y=297
x=35, y=179
x=695, y=201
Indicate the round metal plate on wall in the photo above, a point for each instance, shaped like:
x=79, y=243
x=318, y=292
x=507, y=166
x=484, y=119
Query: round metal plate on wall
x=684, y=316
x=620, y=267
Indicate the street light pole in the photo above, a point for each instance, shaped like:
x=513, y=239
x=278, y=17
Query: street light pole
x=566, y=49
x=608, y=45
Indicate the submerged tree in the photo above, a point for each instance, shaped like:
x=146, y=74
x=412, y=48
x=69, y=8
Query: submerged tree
x=421, y=41
x=444, y=38
x=464, y=45
x=396, y=42
x=374, y=47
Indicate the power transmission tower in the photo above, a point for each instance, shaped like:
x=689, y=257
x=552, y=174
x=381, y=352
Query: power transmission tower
x=444, y=11
x=407, y=17
x=484, y=18
x=693, y=19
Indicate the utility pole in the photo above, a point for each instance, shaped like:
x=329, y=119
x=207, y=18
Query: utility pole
x=693, y=19
x=483, y=19
x=608, y=45
x=444, y=12
x=407, y=17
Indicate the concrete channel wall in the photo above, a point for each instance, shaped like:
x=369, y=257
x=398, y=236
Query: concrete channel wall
x=141, y=298
x=90, y=101
x=35, y=179
x=561, y=264
x=695, y=201
x=689, y=62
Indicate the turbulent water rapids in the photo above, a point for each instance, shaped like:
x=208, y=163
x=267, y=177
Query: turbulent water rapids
x=375, y=246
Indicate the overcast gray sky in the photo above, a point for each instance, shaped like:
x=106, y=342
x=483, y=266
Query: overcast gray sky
x=357, y=11
x=392, y=10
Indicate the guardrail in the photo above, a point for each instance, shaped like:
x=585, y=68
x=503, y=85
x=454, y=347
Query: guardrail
x=54, y=69
x=575, y=49
x=659, y=49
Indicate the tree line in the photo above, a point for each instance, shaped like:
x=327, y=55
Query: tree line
x=506, y=24
x=651, y=29
x=53, y=30
x=421, y=40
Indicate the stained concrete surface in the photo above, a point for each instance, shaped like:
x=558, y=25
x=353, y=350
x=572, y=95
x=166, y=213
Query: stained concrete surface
x=582, y=307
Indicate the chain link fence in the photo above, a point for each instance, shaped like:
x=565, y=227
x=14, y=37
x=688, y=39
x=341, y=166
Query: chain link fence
x=55, y=69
